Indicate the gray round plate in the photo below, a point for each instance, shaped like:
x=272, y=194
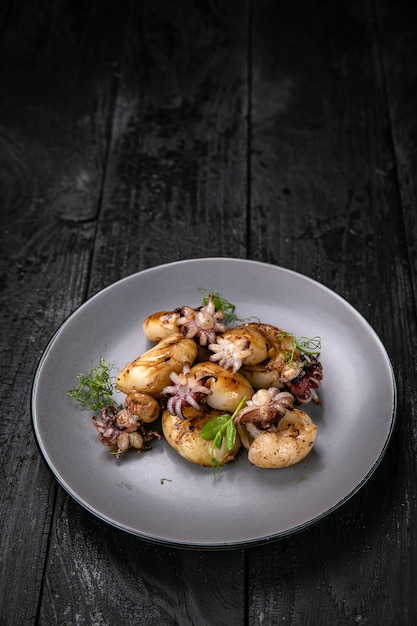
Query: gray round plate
x=161, y=497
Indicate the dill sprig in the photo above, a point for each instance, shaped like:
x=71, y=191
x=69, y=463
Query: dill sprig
x=94, y=390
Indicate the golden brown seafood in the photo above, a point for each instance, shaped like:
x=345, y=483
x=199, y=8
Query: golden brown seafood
x=150, y=372
x=143, y=405
x=226, y=388
x=161, y=325
x=274, y=433
x=184, y=435
x=242, y=345
x=291, y=444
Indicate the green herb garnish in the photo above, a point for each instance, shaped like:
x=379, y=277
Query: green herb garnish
x=221, y=304
x=95, y=390
x=306, y=345
x=218, y=428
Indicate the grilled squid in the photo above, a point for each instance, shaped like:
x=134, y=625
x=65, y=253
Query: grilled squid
x=161, y=325
x=275, y=434
x=184, y=435
x=286, y=367
x=199, y=369
x=143, y=406
x=150, y=373
x=203, y=323
x=226, y=388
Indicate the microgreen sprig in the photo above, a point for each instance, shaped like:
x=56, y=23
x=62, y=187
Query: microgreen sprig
x=94, y=390
x=218, y=428
x=221, y=304
x=306, y=345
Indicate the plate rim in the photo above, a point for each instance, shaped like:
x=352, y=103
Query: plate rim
x=215, y=545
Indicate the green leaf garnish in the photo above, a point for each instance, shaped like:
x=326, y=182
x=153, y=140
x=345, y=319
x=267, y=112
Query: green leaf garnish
x=218, y=428
x=95, y=390
x=212, y=427
x=230, y=434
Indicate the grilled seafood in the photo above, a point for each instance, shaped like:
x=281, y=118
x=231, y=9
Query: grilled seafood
x=120, y=429
x=286, y=366
x=184, y=435
x=150, y=373
x=242, y=345
x=199, y=369
x=273, y=431
x=161, y=325
x=202, y=323
x=186, y=389
x=226, y=388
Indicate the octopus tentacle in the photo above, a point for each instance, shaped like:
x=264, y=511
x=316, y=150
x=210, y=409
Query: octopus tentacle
x=230, y=354
x=303, y=385
x=265, y=409
x=120, y=429
x=187, y=390
x=203, y=323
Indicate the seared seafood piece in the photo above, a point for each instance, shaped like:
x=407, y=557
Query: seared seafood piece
x=268, y=372
x=275, y=434
x=161, y=325
x=143, y=406
x=186, y=389
x=226, y=388
x=293, y=441
x=120, y=429
x=286, y=366
x=184, y=435
x=202, y=323
x=150, y=373
x=237, y=346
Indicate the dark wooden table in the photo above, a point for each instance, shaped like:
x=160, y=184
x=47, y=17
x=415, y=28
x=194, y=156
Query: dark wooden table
x=135, y=133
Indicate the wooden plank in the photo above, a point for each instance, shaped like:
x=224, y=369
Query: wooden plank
x=397, y=31
x=53, y=139
x=124, y=580
x=177, y=155
x=325, y=202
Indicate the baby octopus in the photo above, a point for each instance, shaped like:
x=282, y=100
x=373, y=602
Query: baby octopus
x=304, y=384
x=269, y=357
x=264, y=410
x=187, y=390
x=275, y=434
x=203, y=323
x=122, y=429
x=238, y=346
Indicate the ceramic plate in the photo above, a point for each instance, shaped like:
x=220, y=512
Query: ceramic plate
x=161, y=497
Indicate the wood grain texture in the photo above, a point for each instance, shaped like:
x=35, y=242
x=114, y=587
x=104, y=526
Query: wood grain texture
x=52, y=144
x=125, y=580
x=164, y=143
x=333, y=211
x=396, y=31
x=178, y=149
